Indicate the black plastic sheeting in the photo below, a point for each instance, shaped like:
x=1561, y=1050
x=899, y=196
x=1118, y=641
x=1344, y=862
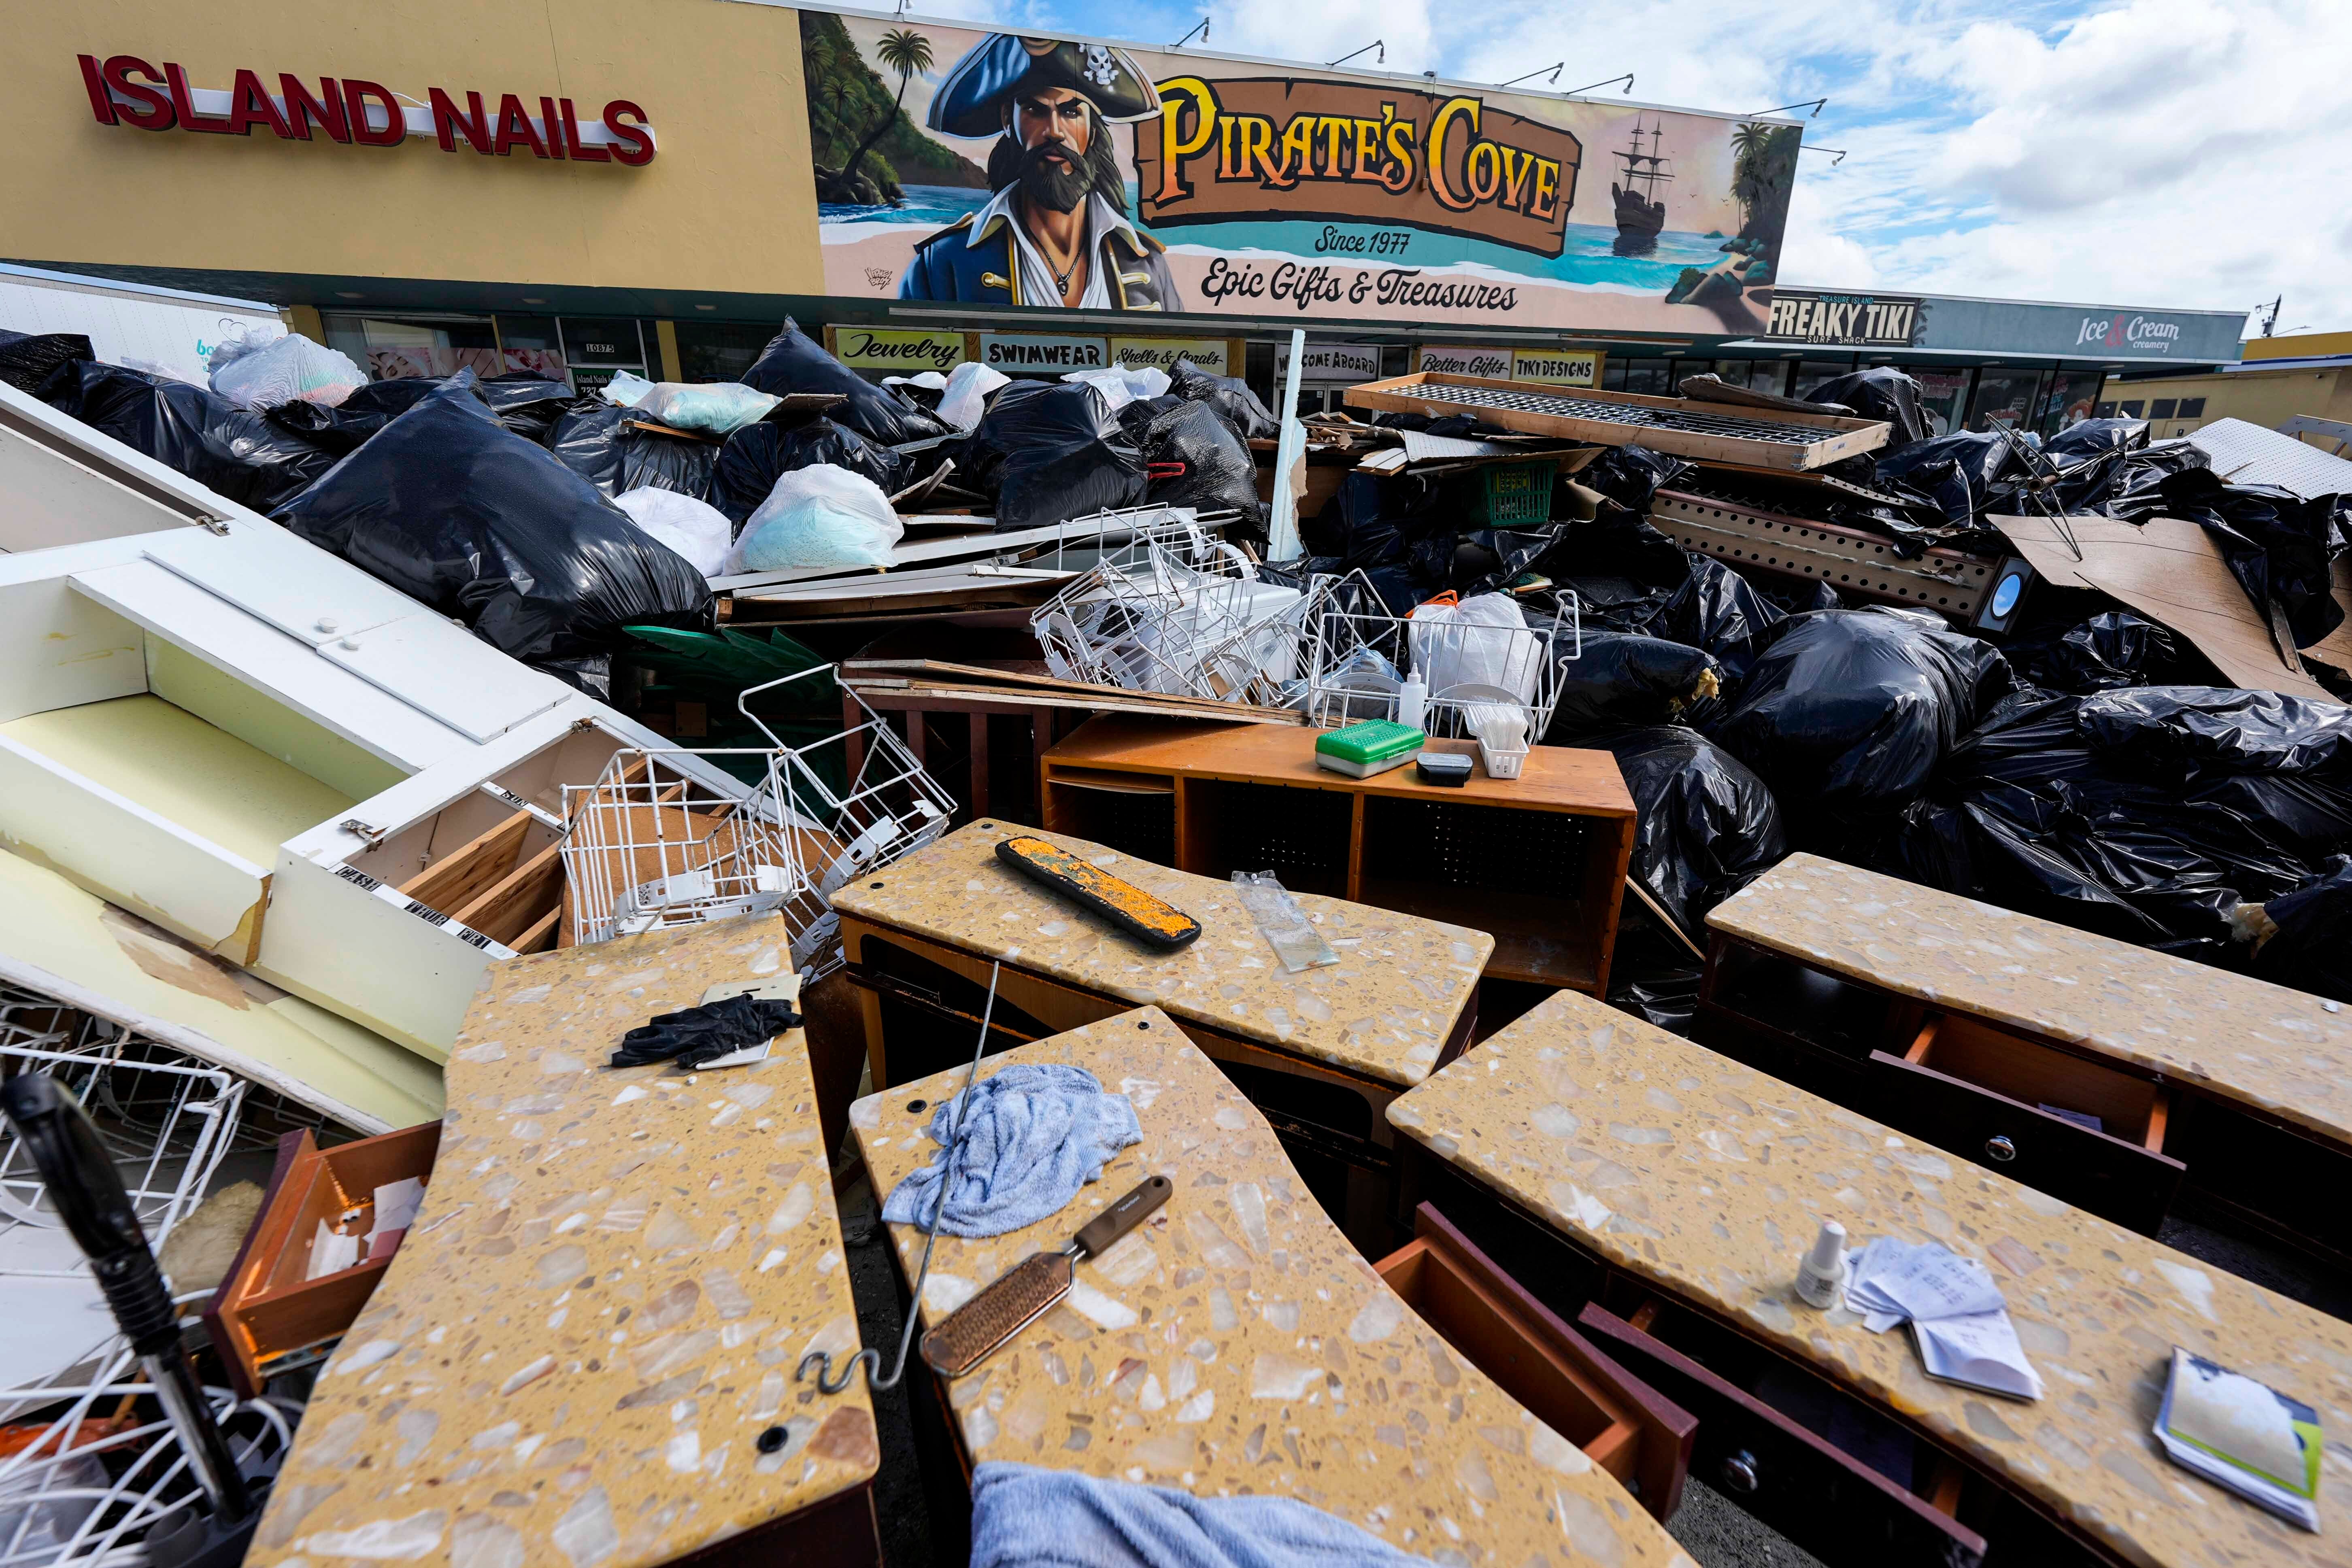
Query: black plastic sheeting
x=756, y=455
x=1135, y=419
x=468, y=518
x=1230, y=396
x=229, y=450
x=595, y=440
x=1619, y=679
x=1850, y=711
x=527, y=404
x=2312, y=936
x=1215, y=470
x=1632, y=578
x=1707, y=825
x=27, y=360
x=794, y=363
x=2277, y=544
x=2146, y=814
x=2106, y=652
x=1049, y=451
x=1882, y=392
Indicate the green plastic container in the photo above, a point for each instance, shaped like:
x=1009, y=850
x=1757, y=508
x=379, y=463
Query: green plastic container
x=1372, y=746
x=1517, y=492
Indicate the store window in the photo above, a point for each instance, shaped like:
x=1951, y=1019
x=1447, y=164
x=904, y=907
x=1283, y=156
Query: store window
x=2131, y=410
x=1943, y=397
x=392, y=346
x=2004, y=399
x=1812, y=373
x=2192, y=408
x=2073, y=395
x=719, y=350
x=1735, y=372
x=598, y=349
x=2163, y=408
x=1651, y=378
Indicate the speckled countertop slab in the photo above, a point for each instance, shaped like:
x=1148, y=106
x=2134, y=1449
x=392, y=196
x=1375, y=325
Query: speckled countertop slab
x=1234, y=1343
x=1688, y=1169
x=2241, y=1038
x=1384, y=1011
x=601, y=1305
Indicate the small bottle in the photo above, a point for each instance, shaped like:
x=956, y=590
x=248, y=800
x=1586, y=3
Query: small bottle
x=1820, y=1278
x=1412, y=701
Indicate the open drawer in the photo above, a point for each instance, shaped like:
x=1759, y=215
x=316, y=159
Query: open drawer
x=1622, y=1425
x=267, y=1308
x=2078, y=1131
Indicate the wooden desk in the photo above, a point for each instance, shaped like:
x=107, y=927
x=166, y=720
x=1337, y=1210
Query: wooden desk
x=1538, y=860
x=1237, y=1343
x=1958, y=1022
x=572, y=1356
x=1322, y=1052
x=1686, y=1184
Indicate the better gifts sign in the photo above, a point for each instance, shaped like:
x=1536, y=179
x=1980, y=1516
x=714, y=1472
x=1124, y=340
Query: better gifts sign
x=1023, y=171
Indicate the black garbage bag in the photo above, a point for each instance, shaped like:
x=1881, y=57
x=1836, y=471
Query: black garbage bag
x=2106, y=652
x=1630, y=476
x=1706, y=825
x=1719, y=611
x=330, y=428
x=1047, y=452
x=2132, y=487
x=463, y=515
x=1958, y=472
x=2094, y=437
x=1230, y=396
x=27, y=360
x=527, y=404
x=1136, y=418
x=2304, y=936
x=1193, y=458
x=794, y=363
x=232, y=451
x=759, y=455
x=2277, y=543
x=1882, y=392
x=1848, y=711
x=393, y=397
x=1619, y=680
x=598, y=441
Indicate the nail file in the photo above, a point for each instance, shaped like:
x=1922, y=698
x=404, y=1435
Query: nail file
x=1026, y=1291
x=1124, y=904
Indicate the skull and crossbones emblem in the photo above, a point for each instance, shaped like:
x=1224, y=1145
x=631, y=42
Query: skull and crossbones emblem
x=1100, y=69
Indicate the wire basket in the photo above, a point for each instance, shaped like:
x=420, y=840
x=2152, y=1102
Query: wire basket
x=1359, y=654
x=1267, y=664
x=1154, y=625
x=652, y=844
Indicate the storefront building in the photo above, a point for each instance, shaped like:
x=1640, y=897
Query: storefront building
x=654, y=186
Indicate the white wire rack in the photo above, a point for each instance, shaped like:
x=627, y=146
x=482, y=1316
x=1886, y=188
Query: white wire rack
x=1125, y=538
x=84, y=1474
x=651, y=844
x=1267, y=664
x=1155, y=623
x=1358, y=656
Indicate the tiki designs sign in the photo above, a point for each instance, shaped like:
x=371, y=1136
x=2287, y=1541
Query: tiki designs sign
x=999, y=169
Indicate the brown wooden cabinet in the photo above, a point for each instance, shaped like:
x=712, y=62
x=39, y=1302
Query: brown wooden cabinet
x=1538, y=861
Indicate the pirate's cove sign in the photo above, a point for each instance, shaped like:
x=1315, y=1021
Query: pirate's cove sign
x=1260, y=148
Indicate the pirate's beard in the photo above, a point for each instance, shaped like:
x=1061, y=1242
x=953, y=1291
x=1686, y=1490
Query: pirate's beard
x=1059, y=187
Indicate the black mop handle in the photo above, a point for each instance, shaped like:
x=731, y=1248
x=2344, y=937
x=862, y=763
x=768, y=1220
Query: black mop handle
x=87, y=1191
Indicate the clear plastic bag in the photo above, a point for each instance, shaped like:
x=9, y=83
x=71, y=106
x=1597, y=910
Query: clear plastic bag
x=1482, y=642
x=818, y=516
x=715, y=408
x=695, y=529
x=284, y=370
x=1282, y=922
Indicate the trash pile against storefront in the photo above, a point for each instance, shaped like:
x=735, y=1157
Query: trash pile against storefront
x=756, y=651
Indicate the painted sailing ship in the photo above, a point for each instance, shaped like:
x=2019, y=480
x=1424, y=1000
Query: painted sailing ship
x=1640, y=213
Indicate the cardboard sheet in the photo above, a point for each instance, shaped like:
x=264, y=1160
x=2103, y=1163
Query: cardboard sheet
x=2170, y=572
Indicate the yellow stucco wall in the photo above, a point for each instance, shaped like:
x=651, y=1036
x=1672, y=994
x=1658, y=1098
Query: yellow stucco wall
x=726, y=204
x=2258, y=397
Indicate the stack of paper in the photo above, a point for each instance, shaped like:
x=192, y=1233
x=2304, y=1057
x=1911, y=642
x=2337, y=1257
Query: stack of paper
x=1956, y=1313
x=2243, y=1435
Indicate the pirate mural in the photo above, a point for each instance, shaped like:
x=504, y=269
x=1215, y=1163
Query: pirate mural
x=1056, y=231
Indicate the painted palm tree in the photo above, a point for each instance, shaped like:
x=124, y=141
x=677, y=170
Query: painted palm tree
x=906, y=51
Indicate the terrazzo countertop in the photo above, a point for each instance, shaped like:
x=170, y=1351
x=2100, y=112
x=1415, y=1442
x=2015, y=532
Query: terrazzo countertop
x=600, y=1304
x=1384, y=1011
x=1234, y=1343
x=2240, y=1038
x=1688, y=1169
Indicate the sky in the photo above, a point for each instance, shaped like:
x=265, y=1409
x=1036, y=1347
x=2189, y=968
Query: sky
x=2159, y=154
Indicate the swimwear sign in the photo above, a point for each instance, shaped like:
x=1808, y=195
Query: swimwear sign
x=124, y=90
x=1267, y=147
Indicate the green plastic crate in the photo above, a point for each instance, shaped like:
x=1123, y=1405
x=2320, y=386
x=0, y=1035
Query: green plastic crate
x=1514, y=493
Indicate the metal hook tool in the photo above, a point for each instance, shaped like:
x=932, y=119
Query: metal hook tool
x=870, y=1358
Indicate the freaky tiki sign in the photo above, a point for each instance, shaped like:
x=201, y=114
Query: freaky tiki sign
x=1003, y=169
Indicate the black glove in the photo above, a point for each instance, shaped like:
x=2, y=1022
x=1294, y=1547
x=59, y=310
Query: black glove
x=696, y=1035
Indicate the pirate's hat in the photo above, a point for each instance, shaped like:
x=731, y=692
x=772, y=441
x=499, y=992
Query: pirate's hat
x=971, y=102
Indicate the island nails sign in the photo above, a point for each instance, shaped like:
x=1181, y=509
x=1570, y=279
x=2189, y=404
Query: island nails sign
x=124, y=90
x=1271, y=193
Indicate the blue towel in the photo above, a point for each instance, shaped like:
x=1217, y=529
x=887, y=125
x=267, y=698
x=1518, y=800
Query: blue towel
x=1023, y=1517
x=1033, y=1135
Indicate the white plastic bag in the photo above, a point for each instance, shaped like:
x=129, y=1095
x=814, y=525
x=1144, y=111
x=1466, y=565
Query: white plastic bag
x=291, y=368
x=966, y=397
x=695, y=529
x=818, y=516
x=715, y=408
x=1481, y=642
x=1110, y=381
